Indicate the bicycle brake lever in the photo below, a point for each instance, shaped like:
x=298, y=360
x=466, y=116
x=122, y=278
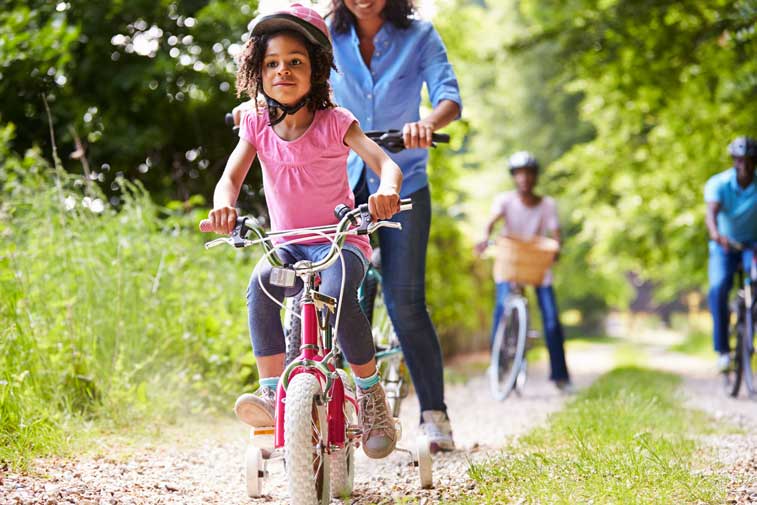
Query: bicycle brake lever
x=217, y=242
x=365, y=220
x=384, y=224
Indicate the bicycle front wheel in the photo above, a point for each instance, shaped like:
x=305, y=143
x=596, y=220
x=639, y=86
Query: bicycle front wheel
x=747, y=351
x=509, y=348
x=305, y=442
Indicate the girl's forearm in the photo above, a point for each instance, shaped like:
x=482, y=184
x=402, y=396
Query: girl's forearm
x=391, y=175
x=225, y=194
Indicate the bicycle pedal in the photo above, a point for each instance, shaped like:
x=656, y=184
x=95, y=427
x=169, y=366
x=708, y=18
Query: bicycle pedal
x=354, y=431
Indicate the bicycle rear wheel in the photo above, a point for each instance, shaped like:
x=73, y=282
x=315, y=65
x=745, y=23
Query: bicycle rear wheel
x=509, y=348
x=293, y=327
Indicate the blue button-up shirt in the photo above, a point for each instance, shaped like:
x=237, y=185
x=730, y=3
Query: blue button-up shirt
x=388, y=94
x=737, y=218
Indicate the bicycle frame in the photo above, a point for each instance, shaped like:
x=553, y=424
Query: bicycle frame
x=317, y=357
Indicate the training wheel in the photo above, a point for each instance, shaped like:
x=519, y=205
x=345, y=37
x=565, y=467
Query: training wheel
x=255, y=472
x=423, y=461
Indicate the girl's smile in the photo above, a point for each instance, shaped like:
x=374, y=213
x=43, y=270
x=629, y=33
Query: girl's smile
x=286, y=69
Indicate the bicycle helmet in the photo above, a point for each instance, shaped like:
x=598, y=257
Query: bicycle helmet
x=523, y=159
x=743, y=147
x=295, y=17
x=303, y=20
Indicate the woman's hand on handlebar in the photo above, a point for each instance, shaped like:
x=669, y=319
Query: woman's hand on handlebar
x=384, y=203
x=223, y=219
x=417, y=135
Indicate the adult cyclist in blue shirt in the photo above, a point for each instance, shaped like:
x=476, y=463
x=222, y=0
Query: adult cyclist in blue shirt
x=384, y=55
x=731, y=198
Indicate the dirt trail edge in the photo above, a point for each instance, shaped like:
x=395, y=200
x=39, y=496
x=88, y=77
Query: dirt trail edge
x=203, y=464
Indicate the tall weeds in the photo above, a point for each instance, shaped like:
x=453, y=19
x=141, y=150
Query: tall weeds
x=119, y=316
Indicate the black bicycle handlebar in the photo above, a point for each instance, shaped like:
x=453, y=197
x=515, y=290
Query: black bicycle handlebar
x=393, y=141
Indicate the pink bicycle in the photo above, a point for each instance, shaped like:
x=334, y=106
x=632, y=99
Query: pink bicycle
x=315, y=431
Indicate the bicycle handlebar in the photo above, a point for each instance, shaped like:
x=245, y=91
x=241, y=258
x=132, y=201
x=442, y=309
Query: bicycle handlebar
x=359, y=217
x=393, y=141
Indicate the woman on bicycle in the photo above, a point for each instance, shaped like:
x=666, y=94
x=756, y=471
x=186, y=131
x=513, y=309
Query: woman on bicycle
x=526, y=215
x=384, y=55
x=302, y=141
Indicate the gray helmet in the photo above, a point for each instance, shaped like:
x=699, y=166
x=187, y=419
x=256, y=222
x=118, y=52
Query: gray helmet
x=523, y=159
x=743, y=147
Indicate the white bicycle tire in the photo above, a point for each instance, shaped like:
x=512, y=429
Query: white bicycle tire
x=254, y=471
x=307, y=464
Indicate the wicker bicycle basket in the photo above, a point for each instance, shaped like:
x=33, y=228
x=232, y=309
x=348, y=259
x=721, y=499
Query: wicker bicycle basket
x=523, y=261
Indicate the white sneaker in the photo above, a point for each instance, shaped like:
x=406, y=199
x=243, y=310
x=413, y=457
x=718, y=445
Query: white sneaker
x=435, y=424
x=258, y=409
x=724, y=362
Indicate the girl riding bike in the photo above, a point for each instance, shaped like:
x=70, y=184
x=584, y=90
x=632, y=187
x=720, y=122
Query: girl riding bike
x=302, y=141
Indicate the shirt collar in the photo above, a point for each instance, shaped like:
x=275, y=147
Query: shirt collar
x=733, y=180
x=384, y=33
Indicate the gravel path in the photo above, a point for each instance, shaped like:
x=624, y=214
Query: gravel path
x=736, y=451
x=203, y=464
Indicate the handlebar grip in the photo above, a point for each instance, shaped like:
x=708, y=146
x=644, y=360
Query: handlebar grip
x=440, y=137
x=406, y=204
x=229, y=119
x=341, y=210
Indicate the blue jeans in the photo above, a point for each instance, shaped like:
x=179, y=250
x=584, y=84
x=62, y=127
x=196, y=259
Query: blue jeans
x=553, y=333
x=721, y=267
x=403, y=271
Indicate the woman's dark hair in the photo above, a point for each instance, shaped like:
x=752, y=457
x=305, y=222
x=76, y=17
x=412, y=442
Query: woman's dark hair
x=250, y=72
x=397, y=12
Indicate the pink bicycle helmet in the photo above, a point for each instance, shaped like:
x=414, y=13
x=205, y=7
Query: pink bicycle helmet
x=298, y=18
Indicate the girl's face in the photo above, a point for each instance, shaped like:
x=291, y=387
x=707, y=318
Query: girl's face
x=286, y=69
x=365, y=9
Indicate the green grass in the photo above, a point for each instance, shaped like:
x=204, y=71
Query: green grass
x=696, y=343
x=626, y=439
x=109, y=320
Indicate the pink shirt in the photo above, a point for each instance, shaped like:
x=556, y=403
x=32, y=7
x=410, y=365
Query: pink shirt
x=527, y=222
x=306, y=178
x=523, y=221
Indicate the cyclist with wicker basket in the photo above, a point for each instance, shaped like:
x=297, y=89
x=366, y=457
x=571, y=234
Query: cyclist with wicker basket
x=528, y=244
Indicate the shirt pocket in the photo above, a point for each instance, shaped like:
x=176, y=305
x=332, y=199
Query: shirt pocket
x=399, y=96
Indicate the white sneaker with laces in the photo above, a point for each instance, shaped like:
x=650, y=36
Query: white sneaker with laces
x=257, y=409
x=436, y=426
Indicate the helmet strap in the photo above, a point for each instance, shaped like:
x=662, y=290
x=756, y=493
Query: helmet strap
x=285, y=109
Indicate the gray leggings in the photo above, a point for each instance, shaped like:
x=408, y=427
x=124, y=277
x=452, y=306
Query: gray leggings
x=266, y=332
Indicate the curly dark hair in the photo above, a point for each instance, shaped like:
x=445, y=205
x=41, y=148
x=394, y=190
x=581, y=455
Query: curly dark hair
x=398, y=12
x=250, y=76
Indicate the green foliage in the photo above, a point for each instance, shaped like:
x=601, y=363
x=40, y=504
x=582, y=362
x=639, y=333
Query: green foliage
x=144, y=84
x=458, y=306
x=665, y=85
x=626, y=439
x=120, y=316
x=514, y=102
